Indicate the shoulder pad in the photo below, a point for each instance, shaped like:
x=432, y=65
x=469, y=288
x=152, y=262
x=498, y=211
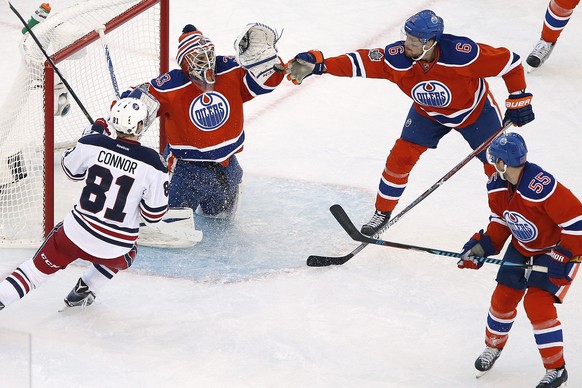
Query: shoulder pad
x=536, y=184
x=495, y=183
x=395, y=58
x=225, y=64
x=170, y=80
x=96, y=139
x=457, y=50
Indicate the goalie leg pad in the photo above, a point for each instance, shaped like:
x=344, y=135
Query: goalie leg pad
x=176, y=230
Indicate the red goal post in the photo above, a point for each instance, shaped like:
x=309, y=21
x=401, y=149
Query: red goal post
x=34, y=133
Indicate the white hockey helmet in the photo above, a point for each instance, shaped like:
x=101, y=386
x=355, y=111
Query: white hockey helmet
x=126, y=114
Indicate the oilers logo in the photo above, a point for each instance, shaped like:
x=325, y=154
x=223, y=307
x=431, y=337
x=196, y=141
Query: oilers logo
x=209, y=111
x=431, y=93
x=523, y=229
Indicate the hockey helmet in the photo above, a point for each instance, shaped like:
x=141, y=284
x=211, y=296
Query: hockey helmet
x=508, y=147
x=196, y=58
x=126, y=114
x=425, y=25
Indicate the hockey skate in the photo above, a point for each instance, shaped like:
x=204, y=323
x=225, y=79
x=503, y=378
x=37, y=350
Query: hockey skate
x=1, y=305
x=486, y=360
x=375, y=226
x=540, y=53
x=554, y=378
x=80, y=295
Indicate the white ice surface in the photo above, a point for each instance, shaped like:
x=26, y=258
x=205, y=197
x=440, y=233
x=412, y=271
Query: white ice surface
x=244, y=310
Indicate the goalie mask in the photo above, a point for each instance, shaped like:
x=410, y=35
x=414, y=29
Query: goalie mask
x=196, y=58
x=126, y=115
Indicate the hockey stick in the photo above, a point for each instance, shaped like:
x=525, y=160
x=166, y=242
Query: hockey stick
x=323, y=261
x=53, y=65
x=344, y=220
x=101, y=31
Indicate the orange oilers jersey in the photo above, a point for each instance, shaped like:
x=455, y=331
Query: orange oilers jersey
x=538, y=213
x=452, y=89
x=208, y=126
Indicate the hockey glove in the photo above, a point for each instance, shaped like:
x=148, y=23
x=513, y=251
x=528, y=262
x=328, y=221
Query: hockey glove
x=303, y=65
x=519, y=110
x=99, y=127
x=560, y=266
x=479, y=245
x=256, y=49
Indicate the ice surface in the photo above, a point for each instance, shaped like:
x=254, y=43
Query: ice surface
x=243, y=310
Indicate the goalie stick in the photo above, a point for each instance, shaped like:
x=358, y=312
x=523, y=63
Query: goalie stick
x=101, y=31
x=344, y=220
x=331, y=260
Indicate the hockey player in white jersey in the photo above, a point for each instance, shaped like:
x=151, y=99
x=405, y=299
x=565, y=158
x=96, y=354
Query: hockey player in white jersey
x=123, y=179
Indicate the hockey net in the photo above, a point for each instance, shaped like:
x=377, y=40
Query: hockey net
x=33, y=131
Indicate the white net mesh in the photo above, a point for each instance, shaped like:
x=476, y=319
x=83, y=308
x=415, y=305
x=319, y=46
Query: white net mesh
x=135, y=52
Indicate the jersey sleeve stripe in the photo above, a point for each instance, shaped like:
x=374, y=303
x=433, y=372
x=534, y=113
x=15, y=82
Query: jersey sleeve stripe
x=68, y=173
x=358, y=69
x=514, y=62
x=152, y=214
x=574, y=224
x=254, y=87
x=572, y=227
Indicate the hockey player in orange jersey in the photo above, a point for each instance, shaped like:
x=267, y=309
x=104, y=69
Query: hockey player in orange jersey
x=556, y=17
x=203, y=106
x=445, y=77
x=544, y=220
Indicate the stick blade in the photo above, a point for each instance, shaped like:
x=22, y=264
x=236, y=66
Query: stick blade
x=325, y=261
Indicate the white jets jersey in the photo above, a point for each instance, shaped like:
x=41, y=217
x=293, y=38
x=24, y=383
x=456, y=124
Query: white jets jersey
x=123, y=179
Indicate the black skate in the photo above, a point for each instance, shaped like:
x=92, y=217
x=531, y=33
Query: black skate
x=486, y=360
x=1, y=305
x=554, y=378
x=540, y=53
x=375, y=226
x=80, y=295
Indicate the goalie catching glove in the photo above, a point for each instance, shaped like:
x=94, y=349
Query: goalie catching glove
x=256, y=49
